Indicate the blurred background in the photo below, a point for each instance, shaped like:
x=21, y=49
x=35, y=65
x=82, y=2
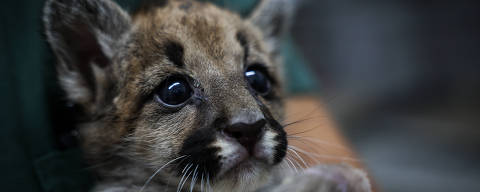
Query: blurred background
x=402, y=78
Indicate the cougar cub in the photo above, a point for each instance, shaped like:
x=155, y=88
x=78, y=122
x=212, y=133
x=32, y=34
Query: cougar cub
x=180, y=95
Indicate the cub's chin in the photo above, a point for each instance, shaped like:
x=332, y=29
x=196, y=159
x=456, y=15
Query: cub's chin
x=246, y=176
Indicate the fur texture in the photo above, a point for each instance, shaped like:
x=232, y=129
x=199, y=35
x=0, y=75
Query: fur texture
x=111, y=64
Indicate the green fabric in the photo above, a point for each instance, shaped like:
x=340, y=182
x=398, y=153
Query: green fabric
x=25, y=129
x=60, y=171
x=30, y=160
x=299, y=79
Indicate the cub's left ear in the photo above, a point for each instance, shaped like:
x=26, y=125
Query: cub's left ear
x=273, y=18
x=85, y=35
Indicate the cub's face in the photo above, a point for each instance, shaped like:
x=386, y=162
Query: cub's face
x=181, y=85
x=203, y=87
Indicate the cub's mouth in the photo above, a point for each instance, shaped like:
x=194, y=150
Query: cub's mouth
x=242, y=150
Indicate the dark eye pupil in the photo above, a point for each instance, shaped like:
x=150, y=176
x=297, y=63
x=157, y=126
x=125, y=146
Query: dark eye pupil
x=258, y=81
x=174, y=91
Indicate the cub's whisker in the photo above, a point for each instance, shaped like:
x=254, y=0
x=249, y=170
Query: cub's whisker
x=316, y=126
x=287, y=163
x=295, y=122
x=299, y=157
x=194, y=179
x=311, y=158
x=325, y=156
x=158, y=170
x=297, y=164
x=315, y=109
x=201, y=183
x=209, y=187
x=303, y=131
x=291, y=163
x=184, y=181
x=184, y=171
x=311, y=146
x=317, y=141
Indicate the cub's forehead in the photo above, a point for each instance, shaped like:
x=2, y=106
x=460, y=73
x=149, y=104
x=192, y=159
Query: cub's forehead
x=190, y=36
x=185, y=13
x=190, y=23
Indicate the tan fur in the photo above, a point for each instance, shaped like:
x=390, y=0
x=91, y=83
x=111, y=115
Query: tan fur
x=212, y=55
x=206, y=32
x=127, y=132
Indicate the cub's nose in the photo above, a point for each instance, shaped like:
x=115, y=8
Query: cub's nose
x=247, y=134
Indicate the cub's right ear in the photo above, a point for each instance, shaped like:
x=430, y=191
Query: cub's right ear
x=84, y=35
x=273, y=18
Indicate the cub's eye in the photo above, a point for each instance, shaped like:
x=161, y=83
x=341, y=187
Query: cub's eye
x=174, y=91
x=258, y=80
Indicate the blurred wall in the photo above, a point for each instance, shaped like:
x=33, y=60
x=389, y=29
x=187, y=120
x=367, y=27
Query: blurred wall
x=402, y=78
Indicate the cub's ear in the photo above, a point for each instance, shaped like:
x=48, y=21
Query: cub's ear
x=273, y=18
x=84, y=35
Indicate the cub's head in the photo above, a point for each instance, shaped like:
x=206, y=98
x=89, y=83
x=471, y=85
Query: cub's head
x=182, y=85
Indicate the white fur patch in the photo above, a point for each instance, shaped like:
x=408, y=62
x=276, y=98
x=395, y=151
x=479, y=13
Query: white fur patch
x=268, y=140
x=230, y=154
x=74, y=86
x=265, y=148
x=226, y=148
